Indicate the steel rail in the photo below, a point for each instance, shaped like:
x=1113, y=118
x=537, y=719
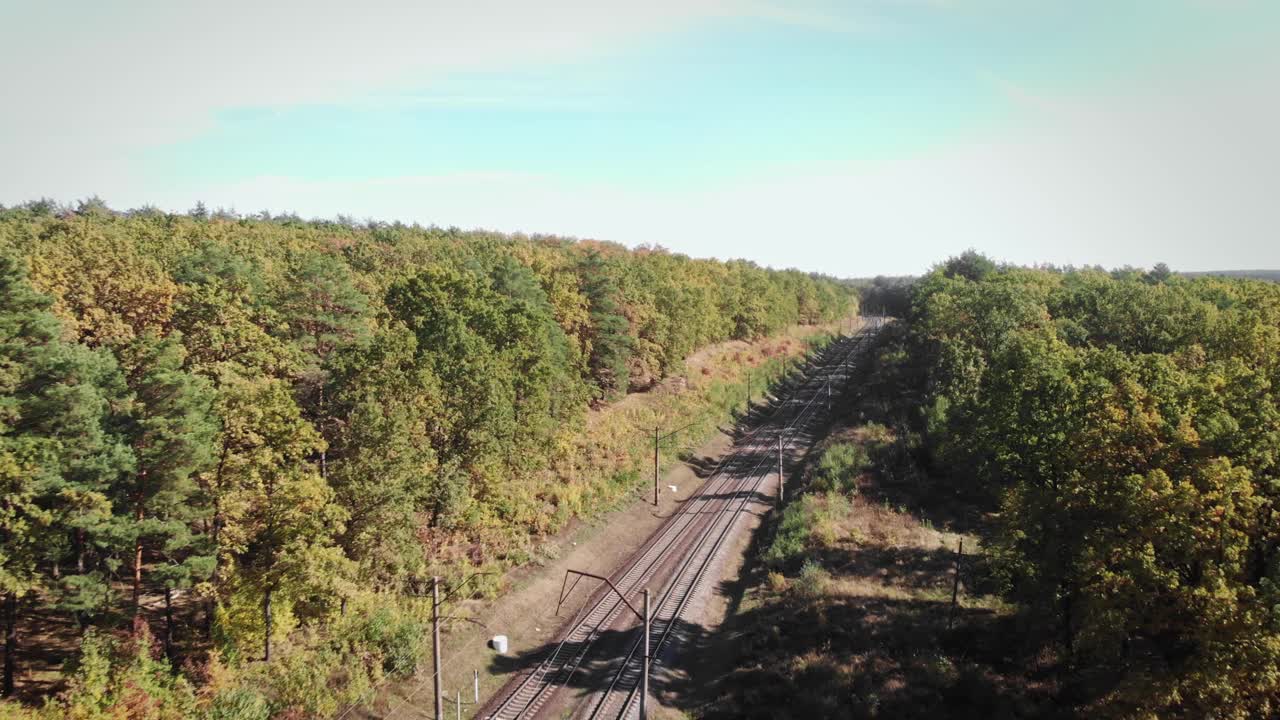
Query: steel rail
x=687, y=584
x=527, y=697
x=742, y=496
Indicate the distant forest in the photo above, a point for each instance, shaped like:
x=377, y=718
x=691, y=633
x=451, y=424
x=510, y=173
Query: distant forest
x=1272, y=275
x=276, y=416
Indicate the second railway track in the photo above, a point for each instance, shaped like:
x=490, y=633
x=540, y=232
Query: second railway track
x=676, y=557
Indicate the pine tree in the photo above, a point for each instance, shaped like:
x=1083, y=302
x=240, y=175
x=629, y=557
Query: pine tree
x=324, y=312
x=171, y=430
x=610, y=343
x=51, y=420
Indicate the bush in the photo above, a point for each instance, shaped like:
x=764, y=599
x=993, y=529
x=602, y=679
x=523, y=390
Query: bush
x=299, y=681
x=838, y=468
x=813, y=582
x=394, y=637
x=829, y=512
x=115, y=678
x=792, y=536
x=238, y=628
x=239, y=703
x=11, y=710
x=777, y=582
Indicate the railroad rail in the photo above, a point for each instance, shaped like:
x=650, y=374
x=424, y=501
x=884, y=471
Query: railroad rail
x=620, y=699
x=695, y=533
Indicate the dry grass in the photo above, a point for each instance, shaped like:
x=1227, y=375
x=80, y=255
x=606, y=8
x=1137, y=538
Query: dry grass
x=854, y=617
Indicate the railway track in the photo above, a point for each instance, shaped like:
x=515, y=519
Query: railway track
x=678, y=555
x=621, y=698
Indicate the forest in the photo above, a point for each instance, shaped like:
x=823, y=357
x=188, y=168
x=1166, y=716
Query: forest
x=1051, y=493
x=1121, y=431
x=274, y=427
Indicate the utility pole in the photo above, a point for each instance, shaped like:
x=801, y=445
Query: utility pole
x=435, y=643
x=657, y=438
x=781, y=477
x=437, y=674
x=655, y=466
x=644, y=694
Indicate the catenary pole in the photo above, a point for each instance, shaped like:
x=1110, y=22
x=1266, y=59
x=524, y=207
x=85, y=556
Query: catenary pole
x=644, y=693
x=435, y=643
x=655, y=466
x=781, y=477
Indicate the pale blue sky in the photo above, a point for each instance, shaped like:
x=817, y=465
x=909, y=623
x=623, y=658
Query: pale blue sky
x=855, y=138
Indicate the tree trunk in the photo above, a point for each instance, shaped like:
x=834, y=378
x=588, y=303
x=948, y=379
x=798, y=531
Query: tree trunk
x=80, y=550
x=266, y=621
x=10, y=641
x=137, y=576
x=1068, y=631
x=168, y=622
x=137, y=570
x=137, y=546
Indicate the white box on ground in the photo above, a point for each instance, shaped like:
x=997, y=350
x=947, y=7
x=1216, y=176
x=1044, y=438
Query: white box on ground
x=499, y=644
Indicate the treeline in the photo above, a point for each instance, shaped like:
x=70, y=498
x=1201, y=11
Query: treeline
x=1125, y=429
x=883, y=295
x=267, y=414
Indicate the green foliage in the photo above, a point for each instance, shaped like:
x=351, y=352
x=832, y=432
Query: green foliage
x=970, y=265
x=40, y=389
x=170, y=429
x=268, y=414
x=385, y=403
x=838, y=468
x=397, y=638
x=1125, y=428
x=240, y=703
x=609, y=344
x=813, y=580
x=792, y=536
x=59, y=452
x=116, y=678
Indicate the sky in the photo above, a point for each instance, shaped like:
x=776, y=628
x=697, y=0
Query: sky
x=853, y=138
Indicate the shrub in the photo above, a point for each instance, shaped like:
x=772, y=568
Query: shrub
x=876, y=434
x=394, y=637
x=793, y=533
x=813, y=580
x=115, y=678
x=238, y=628
x=238, y=703
x=11, y=710
x=838, y=468
x=777, y=582
x=830, y=510
x=299, y=681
